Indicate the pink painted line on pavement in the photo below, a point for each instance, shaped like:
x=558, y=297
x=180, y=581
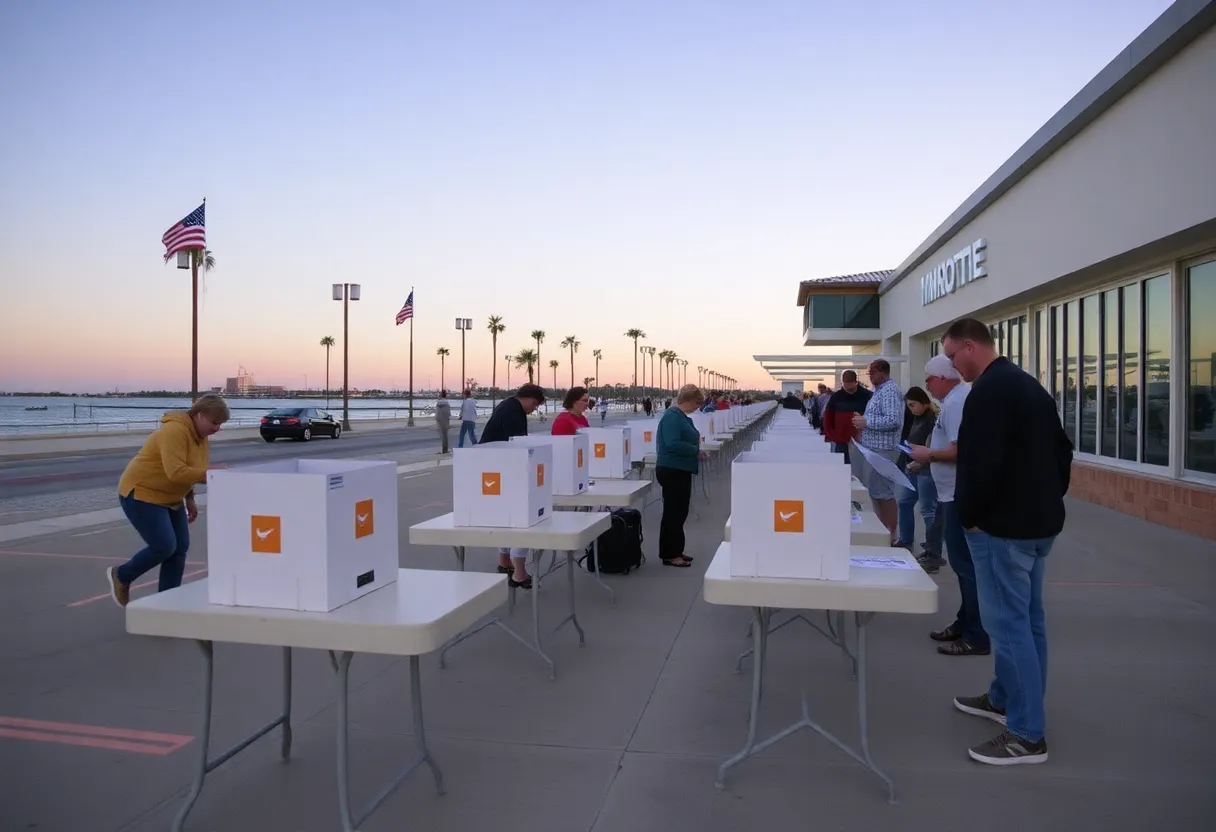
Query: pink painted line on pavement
x=103, y=596
x=92, y=736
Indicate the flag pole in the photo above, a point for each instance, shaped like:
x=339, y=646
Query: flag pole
x=410, y=422
x=194, y=322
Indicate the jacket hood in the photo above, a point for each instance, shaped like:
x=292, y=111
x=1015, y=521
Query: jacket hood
x=182, y=418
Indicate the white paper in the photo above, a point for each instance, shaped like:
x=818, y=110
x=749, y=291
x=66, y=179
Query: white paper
x=885, y=467
x=880, y=563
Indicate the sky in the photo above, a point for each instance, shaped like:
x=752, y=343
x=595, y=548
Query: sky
x=579, y=168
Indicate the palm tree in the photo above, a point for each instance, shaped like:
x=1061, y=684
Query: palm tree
x=495, y=325
x=538, y=335
x=587, y=381
x=662, y=375
x=553, y=362
x=443, y=353
x=573, y=343
x=635, y=334
x=526, y=358
x=598, y=354
x=327, y=342
x=203, y=258
x=671, y=360
x=509, y=359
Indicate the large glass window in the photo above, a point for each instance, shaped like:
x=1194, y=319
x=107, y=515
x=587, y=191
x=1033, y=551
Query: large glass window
x=1072, y=347
x=1088, y=368
x=1040, y=360
x=1201, y=367
x=1129, y=398
x=1057, y=337
x=1156, y=433
x=1023, y=347
x=844, y=311
x=1109, y=407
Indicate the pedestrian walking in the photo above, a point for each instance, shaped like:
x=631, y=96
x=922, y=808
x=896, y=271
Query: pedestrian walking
x=468, y=419
x=443, y=420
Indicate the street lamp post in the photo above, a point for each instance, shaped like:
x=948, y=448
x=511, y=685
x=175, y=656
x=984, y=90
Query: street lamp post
x=464, y=325
x=346, y=292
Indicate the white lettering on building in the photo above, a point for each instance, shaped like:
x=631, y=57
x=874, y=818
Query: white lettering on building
x=955, y=272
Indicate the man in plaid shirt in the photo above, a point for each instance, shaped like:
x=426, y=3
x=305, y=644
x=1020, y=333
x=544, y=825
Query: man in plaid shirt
x=880, y=427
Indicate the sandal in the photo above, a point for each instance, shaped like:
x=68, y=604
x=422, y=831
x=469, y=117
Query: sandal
x=505, y=570
x=679, y=560
x=951, y=633
x=526, y=583
x=962, y=648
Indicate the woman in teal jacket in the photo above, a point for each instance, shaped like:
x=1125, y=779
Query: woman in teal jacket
x=678, y=446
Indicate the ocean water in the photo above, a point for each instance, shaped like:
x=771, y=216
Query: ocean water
x=94, y=415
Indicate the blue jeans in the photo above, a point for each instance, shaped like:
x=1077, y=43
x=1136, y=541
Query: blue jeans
x=467, y=427
x=926, y=495
x=167, y=533
x=958, y=551
x=1009, y=574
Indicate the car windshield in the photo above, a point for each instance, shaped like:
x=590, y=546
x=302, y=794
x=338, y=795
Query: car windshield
x=286, y=411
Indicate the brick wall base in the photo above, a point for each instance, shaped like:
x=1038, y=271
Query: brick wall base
x=1184, y=506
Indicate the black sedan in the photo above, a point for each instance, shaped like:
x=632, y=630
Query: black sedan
x=301, y=423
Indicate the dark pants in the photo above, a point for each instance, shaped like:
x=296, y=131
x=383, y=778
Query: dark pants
x=443, y=428
x=677, y=494
x=958, y=553
x=167, y=533
x=842, y=448
x=467, y=428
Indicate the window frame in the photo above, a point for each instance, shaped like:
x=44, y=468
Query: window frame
x=1180, y=370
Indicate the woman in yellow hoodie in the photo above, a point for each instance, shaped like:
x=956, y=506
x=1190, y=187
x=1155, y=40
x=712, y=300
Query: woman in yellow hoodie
x=153, y=488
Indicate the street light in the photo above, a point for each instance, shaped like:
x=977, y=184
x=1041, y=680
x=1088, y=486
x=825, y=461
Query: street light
x=346, y=292
x=464, y=325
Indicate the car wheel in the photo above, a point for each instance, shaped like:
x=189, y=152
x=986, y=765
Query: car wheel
x=268, y=438
x=307, y=434
x=337, y=431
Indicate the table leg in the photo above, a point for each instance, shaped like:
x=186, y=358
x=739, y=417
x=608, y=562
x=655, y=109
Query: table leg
x=536, y=584
x=760, y=646
x=205, y=765
x=573, y=616
x=863, y=720
x=834, y=634
x=596, y=574
x=350, y=822
x=459, y=550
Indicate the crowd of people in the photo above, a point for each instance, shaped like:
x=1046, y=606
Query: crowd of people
x=986, y=463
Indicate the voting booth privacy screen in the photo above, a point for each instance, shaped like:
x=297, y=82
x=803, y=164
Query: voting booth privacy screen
x=301, y=534
x=611, y=451
x=502, y=484
x=571, y=461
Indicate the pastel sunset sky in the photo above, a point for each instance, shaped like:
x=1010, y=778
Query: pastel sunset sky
x=581, y=168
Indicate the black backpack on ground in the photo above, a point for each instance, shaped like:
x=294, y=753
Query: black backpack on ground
x=620, y=548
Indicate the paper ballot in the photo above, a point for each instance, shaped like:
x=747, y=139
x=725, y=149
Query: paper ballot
x=881, y=563
x=885, y=467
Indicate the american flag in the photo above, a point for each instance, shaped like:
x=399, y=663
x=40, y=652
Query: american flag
x=191, y=232
x=407, y=311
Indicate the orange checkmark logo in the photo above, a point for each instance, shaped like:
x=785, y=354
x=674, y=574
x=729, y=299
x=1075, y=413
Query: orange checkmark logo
x=580, y=458
x=789, y=516
x=601, y=450
x=266, y=534
x=491, y=485
x=365, y=518
x=540, y=475
x=647, y=436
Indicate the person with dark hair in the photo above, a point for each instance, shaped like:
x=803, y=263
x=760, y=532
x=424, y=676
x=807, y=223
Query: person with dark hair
x=468, y=420
x=919, y=420
x=571, y=418
x=1014, y=468
x=509, y=419
x=850, y=399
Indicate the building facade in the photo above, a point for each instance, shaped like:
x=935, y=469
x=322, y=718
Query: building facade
x=1092, y=256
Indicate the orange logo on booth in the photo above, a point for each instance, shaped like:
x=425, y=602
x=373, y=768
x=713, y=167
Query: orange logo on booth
x=365, y=519
x=601, y=450
x=647, y=436
x=540, y=475
x=788, y=516
x=580, y=458
x=266, y=534
x=491, y=485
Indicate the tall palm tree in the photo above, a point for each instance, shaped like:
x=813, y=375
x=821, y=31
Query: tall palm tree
x=509, y=359
x=553, y=362
x=671, y=360
x=526, y=358
x=573, y=343
x=587, y=381
x=495, y=325
x=538, y=335
x=662, y=375
x=443, y=353
x=636, y=335
x=597, y=354
x=327, y=342
x=203, y=258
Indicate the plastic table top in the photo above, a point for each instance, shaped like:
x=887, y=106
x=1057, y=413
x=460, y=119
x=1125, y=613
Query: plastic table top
x=866, y=590
x=416, y=615
x=563, y=531
x=602, y=492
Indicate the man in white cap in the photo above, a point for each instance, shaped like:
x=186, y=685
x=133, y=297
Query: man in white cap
x=966, y=636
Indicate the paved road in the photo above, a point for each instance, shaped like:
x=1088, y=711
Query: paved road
x=30, y=478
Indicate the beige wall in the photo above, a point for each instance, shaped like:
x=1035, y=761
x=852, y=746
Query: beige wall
x=1142, y=171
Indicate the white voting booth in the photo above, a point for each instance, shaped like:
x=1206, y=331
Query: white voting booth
x=611, y=452
x=786, y=524
x=642, y=436
x=706, y=424
x=502, y=484
x=301, y=534
x=571, y=461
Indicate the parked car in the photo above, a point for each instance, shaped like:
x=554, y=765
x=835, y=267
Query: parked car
x=301, y=423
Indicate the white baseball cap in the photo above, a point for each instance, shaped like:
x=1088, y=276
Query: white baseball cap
x=941, y=367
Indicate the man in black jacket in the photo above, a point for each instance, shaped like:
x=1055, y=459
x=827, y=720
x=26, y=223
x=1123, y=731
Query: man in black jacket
x=1014, y=464
x=509, y=419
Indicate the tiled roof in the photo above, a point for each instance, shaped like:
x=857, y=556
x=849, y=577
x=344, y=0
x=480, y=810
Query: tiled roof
x=862, y=277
